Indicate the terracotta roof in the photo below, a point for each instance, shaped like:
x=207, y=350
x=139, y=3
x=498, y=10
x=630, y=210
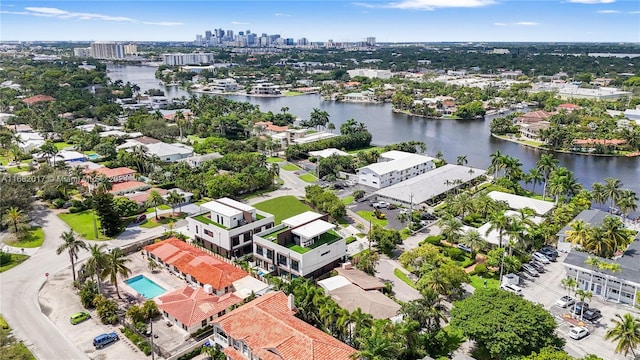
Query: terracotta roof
x=110, y=173
x=449, y=103
x=233, y=354
x=143, y=196
x=268, y=125
x=186, y=114
x=568, y=106
x=599, y=142
x=190, y=306
x=534, y=116
x=288, y=338
x=146, y=140
x=127, y=186
x=37, y=99
x=203, y=267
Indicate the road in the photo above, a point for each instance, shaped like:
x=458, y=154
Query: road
x=20, y=286
x=402, y=291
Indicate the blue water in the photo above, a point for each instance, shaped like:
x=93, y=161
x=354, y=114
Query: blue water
x=94, y=156
x=145, y=287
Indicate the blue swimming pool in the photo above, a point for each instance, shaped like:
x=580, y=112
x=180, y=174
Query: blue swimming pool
x=94, y=156
x=145, y=287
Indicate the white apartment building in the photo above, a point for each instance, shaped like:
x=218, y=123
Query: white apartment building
x=187, y=59
x=226, y=226
x=394, y=167
x=82, y=52
x=107, y=50
x=370, y=73
x=225, y=85
x=303, y=245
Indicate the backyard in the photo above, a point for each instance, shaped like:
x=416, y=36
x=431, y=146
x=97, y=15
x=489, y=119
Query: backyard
x=283, y=207
x=369, y=216
x=31, y=239
x=82, y=223
x=310, y=178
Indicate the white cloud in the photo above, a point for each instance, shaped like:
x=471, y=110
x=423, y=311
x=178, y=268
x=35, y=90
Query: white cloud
x=63, y=14
x=281, y=14
x=608, y=12
x=526, y=23
x=634, y=12
x=239, y=23
x=429, y=4
x=499, y=24
x=592, y=1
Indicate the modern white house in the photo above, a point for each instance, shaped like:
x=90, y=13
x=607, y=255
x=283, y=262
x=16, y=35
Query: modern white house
x=28, y=141
x=303, y=245
x=394, y=167
x=226, y=226
x=170, y=152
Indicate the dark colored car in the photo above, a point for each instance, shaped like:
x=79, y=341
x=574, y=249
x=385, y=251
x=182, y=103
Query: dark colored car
x=550, y=253
x=536, y=265
x=592, y=314
x=577, y=308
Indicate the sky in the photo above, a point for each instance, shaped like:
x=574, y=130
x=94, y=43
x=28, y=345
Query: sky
x=321, y=20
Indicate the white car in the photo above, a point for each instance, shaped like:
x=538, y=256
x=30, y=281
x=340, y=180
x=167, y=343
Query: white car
x=565, y=301
x=513, y=288
x=578, y=332
x=540, y=257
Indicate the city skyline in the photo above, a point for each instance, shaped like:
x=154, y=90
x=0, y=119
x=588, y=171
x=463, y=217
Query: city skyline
x=341, y=21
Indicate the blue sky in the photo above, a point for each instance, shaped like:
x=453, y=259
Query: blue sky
x=320, y=20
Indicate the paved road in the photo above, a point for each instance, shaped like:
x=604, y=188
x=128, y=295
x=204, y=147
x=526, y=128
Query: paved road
x=20, y=286
x=384, y=271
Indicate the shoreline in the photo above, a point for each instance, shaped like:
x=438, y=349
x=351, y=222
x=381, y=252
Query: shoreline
x=561, y=151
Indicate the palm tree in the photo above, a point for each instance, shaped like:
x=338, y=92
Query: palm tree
x=378, y=342
x=627, y=202
x=500, y=223
x=497, y=162
x=462, y=160
x=614, y=233
x=428, y=311
x=155, y=200
x=546, y=165
x=450, y=228
x=612, y=190
x=116, y=265
x=579, y=233
x=592, y=262
x=14, y=217
x=569, y=283
x=73, y=246
x=50, y=150
x=274, y=171
x=174, y=198
x=461, y=203
x=96, y=262
x=626, y=331
x=534, y=177
x=474, y=240
x=319, y=117
x=582, y=295
x=598, y=193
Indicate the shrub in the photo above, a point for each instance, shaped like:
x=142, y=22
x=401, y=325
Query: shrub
x=455, y=253
x=190, y=355
x=138, y=340
x=107, y=309
x=465, y=262
x=480, y=269
x=5, y=258
x=58, y=203
x=88, y=294
x=433, y=240
x=350, y=239
x=73, y=210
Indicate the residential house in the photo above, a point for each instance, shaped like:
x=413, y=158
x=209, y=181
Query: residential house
x=265, y=88
x=394, y=167
x=303, y=245
x=198, y=160
x=633, y=114
x=226, y=226
x=267, y=328
x=68, y=156
x=37, y=99
x=532, y=131
x=325, y=153
x=533, y=117
x=591, y=217
x=567, y=107
x=363, y=96
x=165, y=152
x=224, y=85
x=197, y=267
x=193, y=308
x=591, y=145
x=28, y=141
x=517, y=202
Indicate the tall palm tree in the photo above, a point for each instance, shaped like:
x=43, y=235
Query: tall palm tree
x=50, y=150
x=612, y=190
x=497, y=162
x=499, y=222
x=614, y=233
x=474, y=240
x=583, y=295
x=569, y=283
x=14, y=217
x=598, y=193
x=97, y=262
x=72, y=245
x=174, y=198
x=579, y=233
x=428, y=311
x=546, y=165
x=627, y=202
x=274, y=171
x=626, y=331
x=379, y=342
x=115, y=266
x=155, y=200
x=534, y=177
x=450, y=228
x=360, y=320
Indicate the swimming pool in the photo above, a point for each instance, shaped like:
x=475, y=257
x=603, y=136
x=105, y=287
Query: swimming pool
x=94, y=156
x=145, y=287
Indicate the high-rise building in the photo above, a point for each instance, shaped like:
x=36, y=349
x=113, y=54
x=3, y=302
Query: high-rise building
x=82, y=52
x=207, y=35
x=371, y=41
x=187, y=59
x=130, y=49
x=107, y=50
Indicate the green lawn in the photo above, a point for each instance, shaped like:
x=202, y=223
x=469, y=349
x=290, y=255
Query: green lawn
x=290, y=167
x=202, y=201
x=478, y=283
x=402, y=276
x=82, y=224
x=15, y=169
x=271, y=160
x=194, y=138
x=16, y=259
x=293, y=93
x=310, y=178
x=283, y=207
x=152, y=210
x=150, y=224
x=62, y=145
x=33, y=238
x=347, y=200
x=15, y=349
x=365, y=149
x=368, y=215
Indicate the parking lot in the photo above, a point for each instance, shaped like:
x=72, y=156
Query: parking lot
x=547, y=289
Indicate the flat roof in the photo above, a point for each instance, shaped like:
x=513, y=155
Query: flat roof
x=430, y=184
x=221, y=208
x=629, y=262
x=300, y=219
x=520, y=202
x=360, y=278
x=313, y=229
x=334, y=282
x=399, y=164
x=235, y=204
x=328, y=152
x=591, y=217
x=372, y=302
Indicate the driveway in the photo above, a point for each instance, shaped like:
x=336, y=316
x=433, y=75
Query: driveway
x=402, y=291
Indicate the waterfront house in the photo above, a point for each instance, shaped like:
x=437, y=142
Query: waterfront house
x=533, y=117
x=226, y=226
x=267, y=328
x=303, y=245
x=591, y=145
x=532, y=131
x=394, y=167
x=517, y=202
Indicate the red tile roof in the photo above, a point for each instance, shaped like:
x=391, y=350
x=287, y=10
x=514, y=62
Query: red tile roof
x=38, y=98
x=203, y=267
x=142, y=197
x=568, y=106
x=128, y=186
x=268, y=125
x=534, y=116
x=190, y=306
x=110, y=173
x=287, y=336
x=599, y=142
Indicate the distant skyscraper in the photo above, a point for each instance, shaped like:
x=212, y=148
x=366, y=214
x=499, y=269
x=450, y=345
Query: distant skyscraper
x=371, y=41
x=207, y=35
x=107, y=50
x=130, y=49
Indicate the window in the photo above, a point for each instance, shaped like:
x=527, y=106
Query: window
x=325, y=253
x=270, y=254
x=295, y=265
x=247, y=236
x=208, y=233
x=235, y=240
x=259, y=249
x=204, y=322
x=282, y=260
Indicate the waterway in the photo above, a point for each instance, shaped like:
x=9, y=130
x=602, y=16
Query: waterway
x=452, y=137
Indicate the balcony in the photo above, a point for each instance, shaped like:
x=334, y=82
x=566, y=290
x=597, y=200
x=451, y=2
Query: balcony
x=327, y=238
x=206, y=219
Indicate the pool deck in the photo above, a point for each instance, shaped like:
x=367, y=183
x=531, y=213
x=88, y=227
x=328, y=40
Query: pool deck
x=139, y=266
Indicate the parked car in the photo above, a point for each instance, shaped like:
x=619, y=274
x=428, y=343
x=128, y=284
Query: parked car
x=536, y=265
x=392, y=206
x=79, y=317
x=539, y=257
x=103, y=340
x=565, y=301
x=465, y=248
x=579, y=307
x=427, y=216
x=404, y=211
x=578, y=332
x=381, y=205
x=513, y=288
x=530, y=270
x=550, y=253
x=592, y=314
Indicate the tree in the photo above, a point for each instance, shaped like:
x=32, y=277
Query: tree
x=116, y=266
x=14, y=218
x=579, y=233
x=499, y=222
x=378, y=342
x=534, y=177
x=450, y=228
x=549, y=353
x=474, y=240
x=104, y=207
x=583, y=295
x=546, y=165
x=627, y=202
x=174, y=198
x=504, y=324
x=569, y=283
x=462, y=160
x=72, y=245
x=367, y=261
x=626, y=331
x=428, y=311
x=50, y=150
x=155, y=200
x=96, y=262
